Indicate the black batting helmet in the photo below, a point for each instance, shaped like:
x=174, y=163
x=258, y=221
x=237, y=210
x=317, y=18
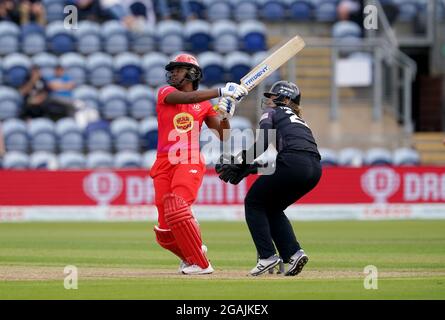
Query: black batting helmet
x=282, y=90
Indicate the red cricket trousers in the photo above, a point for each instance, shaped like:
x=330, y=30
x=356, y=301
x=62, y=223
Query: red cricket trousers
x=182, y=179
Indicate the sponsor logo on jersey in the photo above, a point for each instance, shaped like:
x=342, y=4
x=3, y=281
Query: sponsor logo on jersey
x=183, y=122
x=249, y=82
x=196, y=107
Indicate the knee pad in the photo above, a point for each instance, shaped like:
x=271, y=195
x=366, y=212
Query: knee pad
x=184, y=228
x=166, y=240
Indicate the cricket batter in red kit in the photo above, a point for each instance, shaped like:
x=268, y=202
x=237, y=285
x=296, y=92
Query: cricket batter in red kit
x=179, y=168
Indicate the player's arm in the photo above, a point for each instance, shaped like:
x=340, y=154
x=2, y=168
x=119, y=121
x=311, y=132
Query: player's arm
x=261, y=143
x=219, y=125
x=219, y=120
x=181, y=97
x=231, y=89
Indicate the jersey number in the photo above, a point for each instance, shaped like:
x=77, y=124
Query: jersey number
x=293, y=117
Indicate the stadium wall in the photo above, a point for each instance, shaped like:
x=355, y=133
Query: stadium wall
x=366, y=193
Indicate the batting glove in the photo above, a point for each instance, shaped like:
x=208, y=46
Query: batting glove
x=226, y=107
x=233, y=90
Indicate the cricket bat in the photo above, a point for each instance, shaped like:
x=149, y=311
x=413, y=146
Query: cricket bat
x=271, y=63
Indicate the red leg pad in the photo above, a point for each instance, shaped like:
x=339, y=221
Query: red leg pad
x=166, y=240
x=185, y=230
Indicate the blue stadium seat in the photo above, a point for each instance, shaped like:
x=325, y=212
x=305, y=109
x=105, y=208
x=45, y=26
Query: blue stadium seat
x=100, y=69
x=225, y=36
x=89, y=95
x=60, y=40
x=441, y=11
x=127, y=67
x=170, y=36
x=113, y=100
x=245, y=10
x=239, y=122
x=154, y=68
x=71, y=160
x=99, y=160
x=69, y=135
x=115, y=37
x=1, y=70
x=142, y=102
x=343, y=29
x=16, y=68
x=128, y=160
x=43, y=160
x=408, y=9
x=125, y=133
x=198, y=8
x=143, y=41
x=15, y=135
x=253, y=36
x=197, y=35
x=212, y=65
x=46, y=62
x=10, y=103
x=98, y=136
x=75, y=66
x=88, y=37
x=272, y=10
x=9, y=37
x=148, y=132
x=218, y=10
x=378, y=157
x=33, y=39
x=15, y=160
x=325, y=10
x=54, y=9
x=42, y=134
x=300, y=10
x=351, y=157
x=237, y=65
x=406, y=157
x=149, y=158
x=328, y=157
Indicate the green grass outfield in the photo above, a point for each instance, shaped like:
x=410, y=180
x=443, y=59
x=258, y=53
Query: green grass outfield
x=122, y=261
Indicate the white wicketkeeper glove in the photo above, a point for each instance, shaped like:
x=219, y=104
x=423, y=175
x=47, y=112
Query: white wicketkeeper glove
x=226, y=107
x=233, y=90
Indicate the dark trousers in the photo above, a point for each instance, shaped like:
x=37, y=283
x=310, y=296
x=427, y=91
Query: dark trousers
x=296, y=174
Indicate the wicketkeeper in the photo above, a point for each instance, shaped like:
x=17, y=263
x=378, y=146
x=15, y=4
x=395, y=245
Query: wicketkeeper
x=297, y=172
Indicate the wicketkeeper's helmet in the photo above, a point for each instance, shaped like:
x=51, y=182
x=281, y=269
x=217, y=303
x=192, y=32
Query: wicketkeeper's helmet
x=282, y=90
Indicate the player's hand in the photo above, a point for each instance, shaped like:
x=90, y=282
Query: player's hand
x=226, y=107
x=233, y=169
x=233, y=90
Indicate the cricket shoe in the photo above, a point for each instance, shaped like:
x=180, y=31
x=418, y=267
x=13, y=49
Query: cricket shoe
x=183, y=264
x=195, y=269
x=296, y=263
x=265, y=264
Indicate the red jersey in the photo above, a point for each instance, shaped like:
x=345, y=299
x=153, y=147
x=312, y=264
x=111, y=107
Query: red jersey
x=179, y=125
